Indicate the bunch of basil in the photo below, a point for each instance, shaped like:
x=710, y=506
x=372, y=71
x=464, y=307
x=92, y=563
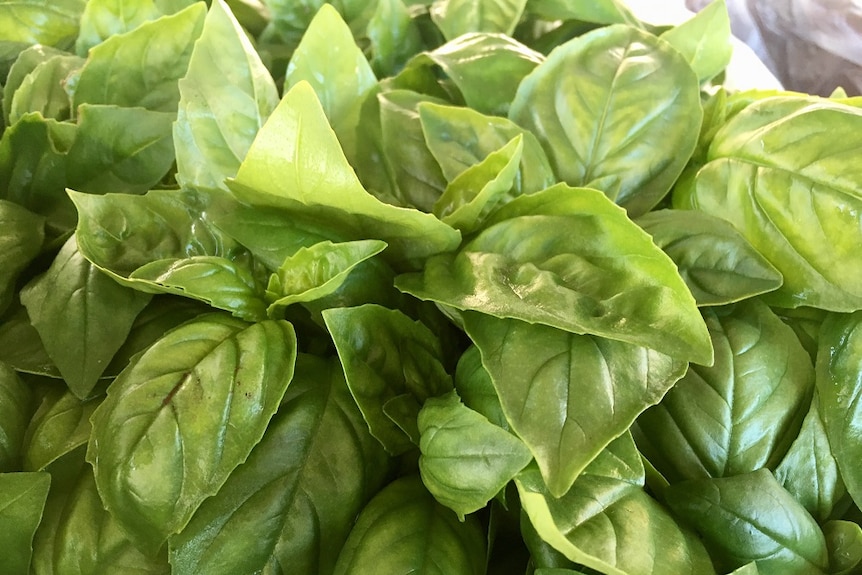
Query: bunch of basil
x=451, y=287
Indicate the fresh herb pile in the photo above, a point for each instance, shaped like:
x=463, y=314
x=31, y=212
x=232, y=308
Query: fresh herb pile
x=390, y=287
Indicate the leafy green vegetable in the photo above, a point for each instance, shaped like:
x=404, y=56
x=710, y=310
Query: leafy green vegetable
x=14, y=410
x=22, y=499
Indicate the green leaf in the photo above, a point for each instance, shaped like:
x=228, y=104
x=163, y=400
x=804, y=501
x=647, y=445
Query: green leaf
x=404, y=530
x=21, y=235
x=418, y=180
x=718, y=264
x=27, y=61
x=809, y=470
x=48, y=22
x=295, y=163
x=839, y=362
x=22, y=499
x=473, y=383
x=82, y=316
x=105, y=18
x=43, y=90
x=466, y=460
x=742, y=413
x=78, y=536
x=217, y=281
x=780, y=173
x=225, y=97
x=182, y=416
x=571, y=259
x=21, y=348
x=15, y=399
x=750, y=517
x=608, y=523
x=486, y=68
x=704, y=40
x=458, y=17
x=542, y=376
x=604, y=101
x=283, y=511
x=121, y=233
x=384, y=354
x=475, y=192
x=317, y=271
x=33, y=169
x=844, y=542
x=602, y=12
x=394, y=37
x=152, y=58
x=461, y=137
x=126, y=150
x=331, y=62
x=59, y=426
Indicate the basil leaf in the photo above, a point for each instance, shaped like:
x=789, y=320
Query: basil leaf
x=844, y=542
x=316, y=272
x=77, y=535
x=43, y=90
x=33, y=169
x=24, y=64
x=394, y=37
x=592, y=524
x=750, y=404
x=220, y=113
x=596, y=12
x=475, y=192
x=218, y=281
x=534, y=366
x=404, y=530
x=150, y=81
x=22, y=500
x=102, y=19
x=315, y=179
x=461, y=137
x=704, y=40
x=603, y=101
x=21, y=235
x=718, y=264
x=466, y=460
x=795, y=204
x=809, y=470
x=82, y=316
x=15, y=398
x=52, y=23
x=750, y=517
x=186, y=412
x=59, y=426
x=571, y=259
x=839, y=361
x=473, y=383
x=260, y=518
x=132, y=159
x=21, y=348
x=458, y=17
x=385, y=354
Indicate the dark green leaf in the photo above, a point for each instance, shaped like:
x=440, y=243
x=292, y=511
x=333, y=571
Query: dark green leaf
x=15, y=399
x=296, y=163
x=59, y=426
x=385, y=354
x=152, y=57
x=21, y=235
x=21, y=348
x=82, y=316
x=394, y=37
x=604, y=101
x=225, y=97
x=839, y=363
x=780, y=171
x=750, y=517
x=404, y=530
x=284, y=511
x=542, y=376
x=844, y=542
x=119, y=149
x=466, y=460
x=571, y=259
x=474, y=385
x=742, y=413
x=182, y=416
x=461, y=137
x=718, y=264
x=607, y=522
x=704, y=40
x=22, y=500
